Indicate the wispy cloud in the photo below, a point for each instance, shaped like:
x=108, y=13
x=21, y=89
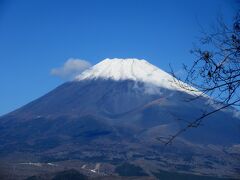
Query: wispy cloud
x=71, y=68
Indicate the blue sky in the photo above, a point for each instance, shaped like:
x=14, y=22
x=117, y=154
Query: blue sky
x=36, y=36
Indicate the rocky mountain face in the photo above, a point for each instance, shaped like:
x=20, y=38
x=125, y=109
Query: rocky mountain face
x=116, y=112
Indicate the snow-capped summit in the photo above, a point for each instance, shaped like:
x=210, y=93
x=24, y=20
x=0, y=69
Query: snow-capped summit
x=134, y=69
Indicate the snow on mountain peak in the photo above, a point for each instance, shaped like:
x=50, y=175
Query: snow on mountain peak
x=130, y=69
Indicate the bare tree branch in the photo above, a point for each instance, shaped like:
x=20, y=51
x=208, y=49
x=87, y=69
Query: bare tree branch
x=215, y=72
x=193, y=124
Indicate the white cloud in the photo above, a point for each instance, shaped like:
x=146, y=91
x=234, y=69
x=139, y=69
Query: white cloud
x=71, y=68
x=147, y=88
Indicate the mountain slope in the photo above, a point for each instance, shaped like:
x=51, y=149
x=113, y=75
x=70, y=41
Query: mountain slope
x=114, y=112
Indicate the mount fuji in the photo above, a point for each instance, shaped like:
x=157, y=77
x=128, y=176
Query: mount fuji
x=114, y=113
